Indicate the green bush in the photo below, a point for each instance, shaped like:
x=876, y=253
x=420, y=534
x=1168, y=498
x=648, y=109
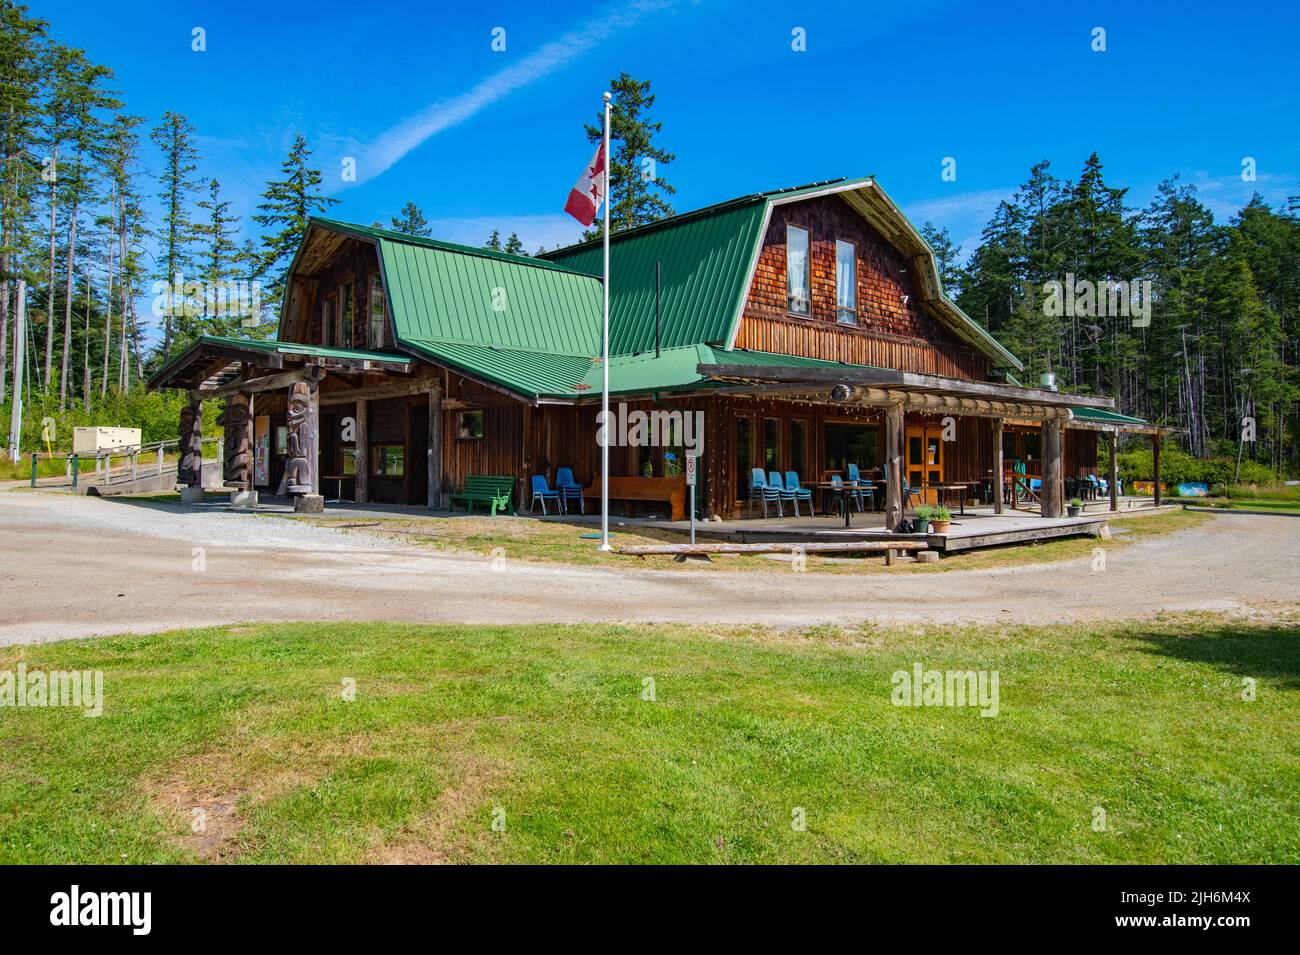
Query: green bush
x=155, y=413
x=1177, y=466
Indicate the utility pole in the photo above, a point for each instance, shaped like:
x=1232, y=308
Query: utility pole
x=20, y=352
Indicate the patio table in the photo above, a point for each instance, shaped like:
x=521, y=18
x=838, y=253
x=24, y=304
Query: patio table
x=846, y=494
x=942, y=491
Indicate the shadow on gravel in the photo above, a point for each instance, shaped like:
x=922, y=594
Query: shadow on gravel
x=1271, y=653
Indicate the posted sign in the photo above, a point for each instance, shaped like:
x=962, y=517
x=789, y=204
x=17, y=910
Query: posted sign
x=691, y=460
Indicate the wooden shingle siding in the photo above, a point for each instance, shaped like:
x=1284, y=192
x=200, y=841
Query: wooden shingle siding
x=891, y=332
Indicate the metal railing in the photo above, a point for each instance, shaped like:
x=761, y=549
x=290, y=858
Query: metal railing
x=131, y=454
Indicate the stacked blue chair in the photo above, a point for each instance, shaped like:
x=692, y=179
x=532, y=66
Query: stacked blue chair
x=570, y=490
x=798, y=493
x=542, y=492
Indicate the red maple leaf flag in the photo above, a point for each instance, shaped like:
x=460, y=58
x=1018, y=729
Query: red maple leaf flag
x=589, y=191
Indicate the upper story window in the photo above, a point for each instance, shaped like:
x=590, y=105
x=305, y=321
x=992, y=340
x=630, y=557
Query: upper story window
x=327, y=321
x=344, y=338
x=846, y=283
x=378, y=317
x=798, y=264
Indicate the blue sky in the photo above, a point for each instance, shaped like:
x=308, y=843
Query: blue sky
x=481, y=139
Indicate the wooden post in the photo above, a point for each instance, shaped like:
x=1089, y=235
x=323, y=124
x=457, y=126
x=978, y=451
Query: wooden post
x=998, y=486
x=894, y=462
x=238, y=423
x=1050, y=505
x=361, y=442
x=435, y=447
x=1113, y=479
x=189, y=469
x=1155, y=465
x=300, y=477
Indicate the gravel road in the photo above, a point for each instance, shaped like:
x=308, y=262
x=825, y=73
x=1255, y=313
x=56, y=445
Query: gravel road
x=83, y=566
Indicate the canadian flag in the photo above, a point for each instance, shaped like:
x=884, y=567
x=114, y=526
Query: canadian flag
x=589, y=191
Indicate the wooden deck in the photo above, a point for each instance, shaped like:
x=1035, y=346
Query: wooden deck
x=979, y=527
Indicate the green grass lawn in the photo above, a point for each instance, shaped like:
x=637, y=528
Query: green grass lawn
x=1244, y=504
x=547, y=728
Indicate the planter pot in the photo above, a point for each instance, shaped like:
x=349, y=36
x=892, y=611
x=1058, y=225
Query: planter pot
x=922, y=525
x=940, y=527
x=1073, y=511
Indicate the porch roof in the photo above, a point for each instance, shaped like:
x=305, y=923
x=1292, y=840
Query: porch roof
x=213, y=361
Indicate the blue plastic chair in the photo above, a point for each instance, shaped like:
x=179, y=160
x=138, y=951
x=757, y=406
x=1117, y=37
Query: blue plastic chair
x=798, y=493
x=783, y=493
x=570, y=490
x=761, y=491
x=543, y=492
x=908, y=491
x=855, y=482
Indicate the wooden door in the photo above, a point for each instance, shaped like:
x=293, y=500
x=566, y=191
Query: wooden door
x=924, y=459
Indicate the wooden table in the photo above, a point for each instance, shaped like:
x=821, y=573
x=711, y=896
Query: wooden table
x=941, y=493
x=846, y=495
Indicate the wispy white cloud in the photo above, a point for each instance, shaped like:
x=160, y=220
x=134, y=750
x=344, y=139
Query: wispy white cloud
x=964, y=214
x=1225, y=196
x=380, y=154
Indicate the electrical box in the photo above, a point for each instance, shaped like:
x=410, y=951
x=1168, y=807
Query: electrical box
x=90, y=440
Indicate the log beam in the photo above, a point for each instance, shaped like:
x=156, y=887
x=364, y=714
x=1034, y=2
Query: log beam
x=1053, y=485
x=894, y=465
x=435, y=447
x=1155, y=466
x=362, y=445
x=999, y=481
x=1112, y=483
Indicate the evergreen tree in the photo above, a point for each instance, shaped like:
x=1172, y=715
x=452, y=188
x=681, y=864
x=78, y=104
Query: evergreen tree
x=494, y=241
x=174, y=137
x=946, y=256
x=638, y=190
x=411, y=221
x=220, y=264
x=513, y=245
x=289, y=203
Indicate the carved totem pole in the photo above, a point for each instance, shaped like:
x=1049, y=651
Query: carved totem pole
x=238, y=423
x=189, y=470
x=301, y=451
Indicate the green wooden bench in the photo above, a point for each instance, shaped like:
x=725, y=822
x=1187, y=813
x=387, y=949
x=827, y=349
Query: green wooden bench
x=494, y=490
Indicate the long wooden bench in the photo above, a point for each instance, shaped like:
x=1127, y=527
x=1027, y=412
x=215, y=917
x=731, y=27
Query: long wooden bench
x=493, y=490
x=633, y=489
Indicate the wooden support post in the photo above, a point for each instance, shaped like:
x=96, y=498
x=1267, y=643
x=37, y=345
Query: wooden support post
x=1050, y=505
x=894, y=462
x=435, y=447
x=237, y=420
x=300, y=471
x=999, y=490
x=1112, y=482
x=1155, y=466
x=189, y=469
x=361, y=442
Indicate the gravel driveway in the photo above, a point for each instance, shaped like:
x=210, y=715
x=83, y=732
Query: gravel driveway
x=82, y=566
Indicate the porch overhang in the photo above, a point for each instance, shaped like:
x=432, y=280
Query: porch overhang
x=215, y=366
x=864, y=386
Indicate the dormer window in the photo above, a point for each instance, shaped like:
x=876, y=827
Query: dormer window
x=798, y=278
x=846, y=283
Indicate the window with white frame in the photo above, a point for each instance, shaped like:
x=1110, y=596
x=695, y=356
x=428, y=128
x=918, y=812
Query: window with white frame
x=846, y=283
x=798, y=266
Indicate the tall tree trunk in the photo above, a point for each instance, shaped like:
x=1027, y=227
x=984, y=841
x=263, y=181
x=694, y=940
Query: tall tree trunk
x=67, y=305
x=85, y=353
x=108, y=315
x=49, y=298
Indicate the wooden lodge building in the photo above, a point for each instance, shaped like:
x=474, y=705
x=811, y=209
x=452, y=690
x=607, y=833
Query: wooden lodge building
x=808, y=325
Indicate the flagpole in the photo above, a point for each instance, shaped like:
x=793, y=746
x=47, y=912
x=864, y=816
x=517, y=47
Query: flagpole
x=604, y=355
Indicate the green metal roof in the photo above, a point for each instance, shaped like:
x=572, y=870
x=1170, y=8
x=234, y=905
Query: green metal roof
x=531, y=373
x=297, y=348
x=1101, y=416
x=704, y=258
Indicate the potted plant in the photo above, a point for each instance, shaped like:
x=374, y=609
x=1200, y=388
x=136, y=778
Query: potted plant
x=1075, y=507
x=940, y=519
x=922, y=522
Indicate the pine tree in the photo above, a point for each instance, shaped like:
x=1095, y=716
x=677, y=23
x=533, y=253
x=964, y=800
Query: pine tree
x=411, y=221
x=494, y=241
x=513, y=245
x=174, y=137
x=220, y=263
x=289, y=204
x=946, y=256
x=638, y=190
